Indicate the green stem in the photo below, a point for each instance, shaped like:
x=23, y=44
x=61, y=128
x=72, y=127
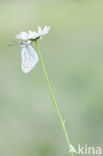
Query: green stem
x=54, y=103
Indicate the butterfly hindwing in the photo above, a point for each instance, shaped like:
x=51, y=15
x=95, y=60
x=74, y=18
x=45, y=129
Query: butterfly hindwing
x=29, y=58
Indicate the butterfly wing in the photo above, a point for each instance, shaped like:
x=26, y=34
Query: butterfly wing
x=29, y=58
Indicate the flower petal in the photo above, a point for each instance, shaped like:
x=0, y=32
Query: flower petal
x=39, y=29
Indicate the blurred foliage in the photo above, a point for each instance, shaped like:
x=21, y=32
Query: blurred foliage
x=73, y=55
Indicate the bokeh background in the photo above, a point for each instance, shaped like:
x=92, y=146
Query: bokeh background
x=73, y=56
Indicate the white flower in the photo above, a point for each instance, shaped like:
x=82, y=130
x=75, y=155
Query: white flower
x=32, y=35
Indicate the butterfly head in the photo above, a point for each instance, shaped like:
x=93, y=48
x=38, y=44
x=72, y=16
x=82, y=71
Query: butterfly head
x=23, y=44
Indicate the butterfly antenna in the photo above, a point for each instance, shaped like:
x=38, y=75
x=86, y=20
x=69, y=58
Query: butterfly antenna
x=14, y=43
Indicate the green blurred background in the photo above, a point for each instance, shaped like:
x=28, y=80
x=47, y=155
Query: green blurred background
x=73, y=56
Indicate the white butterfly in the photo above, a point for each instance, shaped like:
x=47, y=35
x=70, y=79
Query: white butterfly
x=29, y=57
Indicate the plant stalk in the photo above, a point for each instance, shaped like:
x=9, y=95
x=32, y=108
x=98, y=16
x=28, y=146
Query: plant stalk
x=53, y=100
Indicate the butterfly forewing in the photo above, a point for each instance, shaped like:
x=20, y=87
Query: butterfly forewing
x=29, y=58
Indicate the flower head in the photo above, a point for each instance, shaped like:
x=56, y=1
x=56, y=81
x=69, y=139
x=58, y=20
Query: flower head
x=32, y=35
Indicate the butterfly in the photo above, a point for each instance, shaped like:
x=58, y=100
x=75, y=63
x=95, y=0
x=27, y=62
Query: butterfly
x=29, y=57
